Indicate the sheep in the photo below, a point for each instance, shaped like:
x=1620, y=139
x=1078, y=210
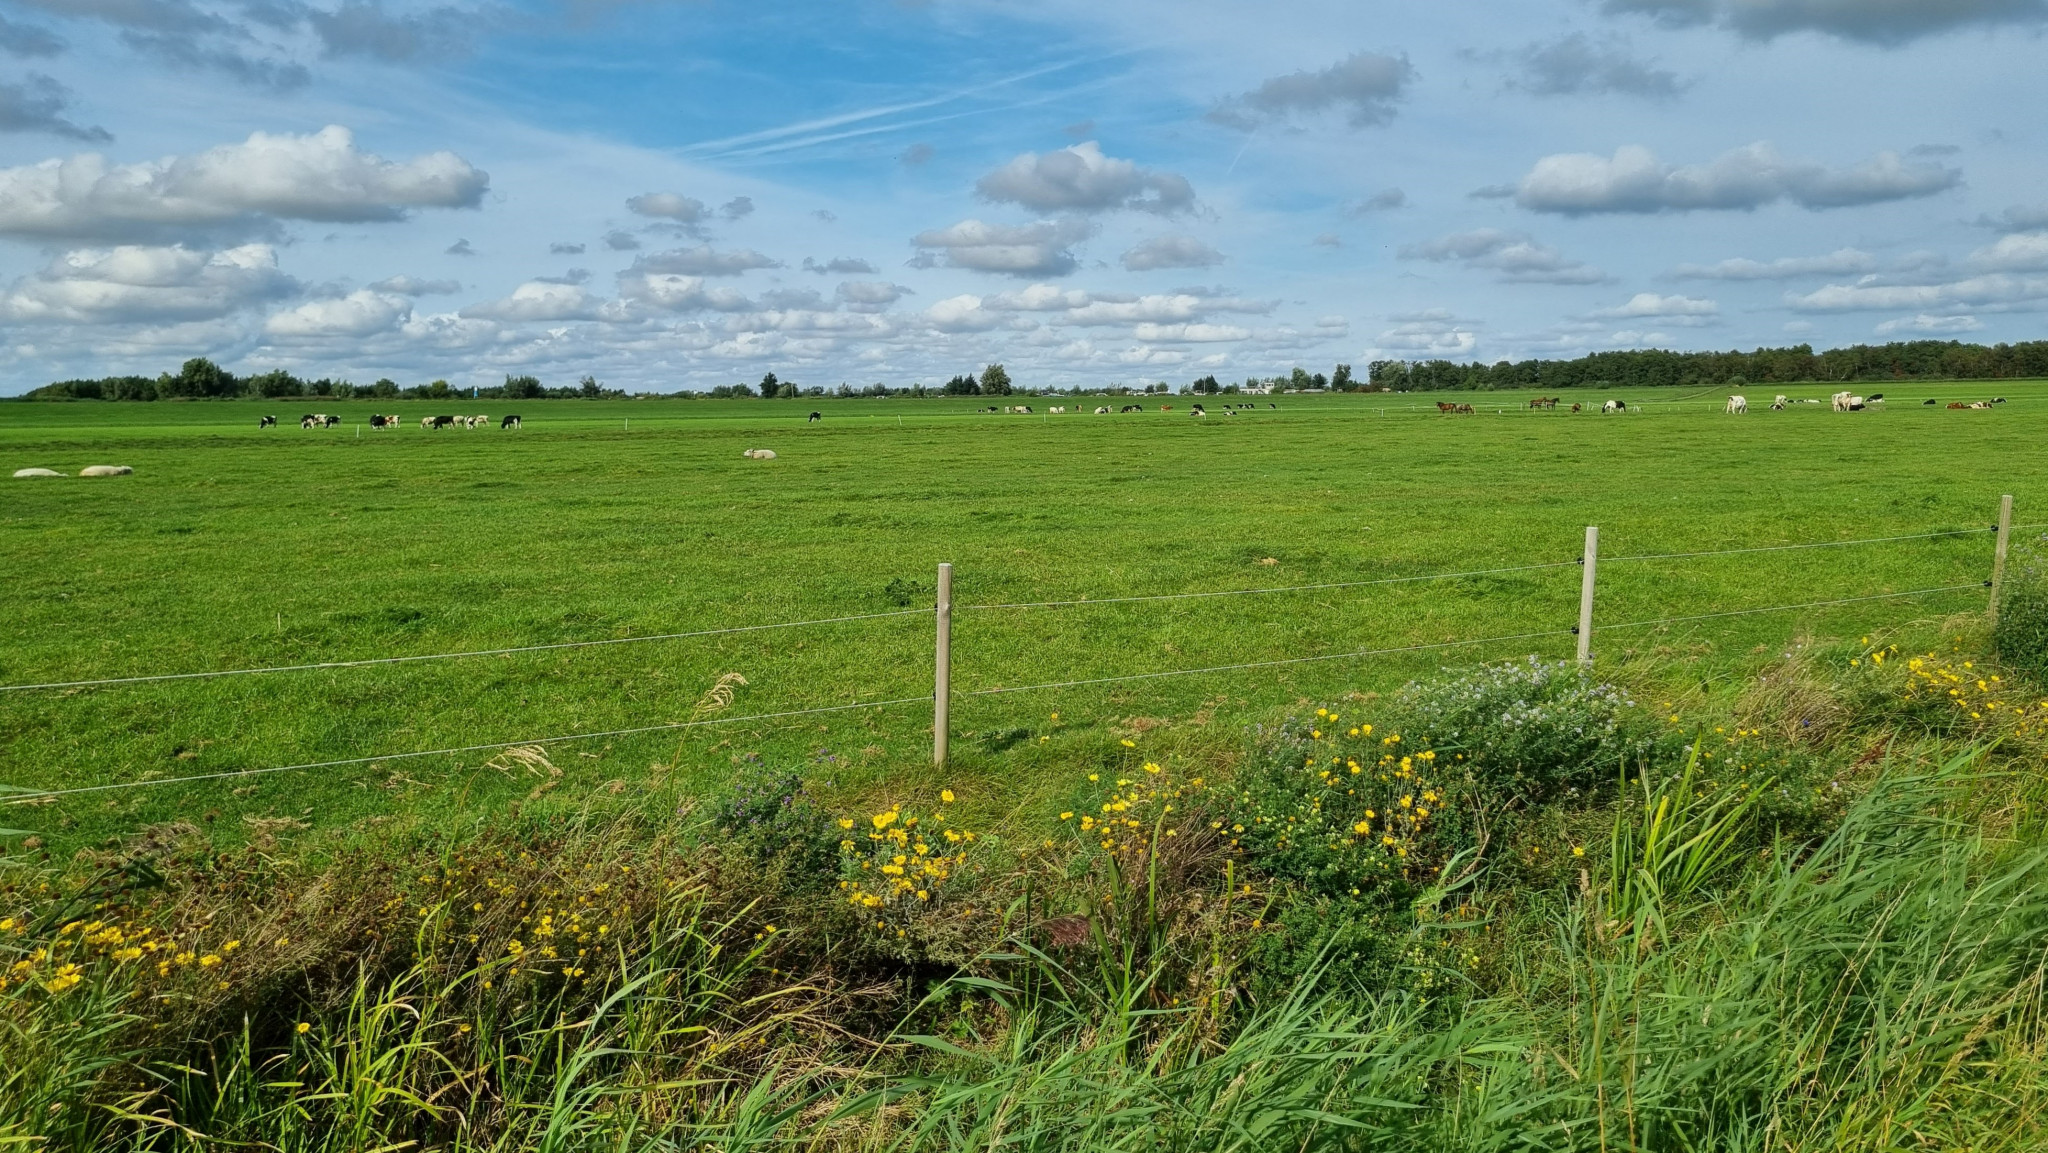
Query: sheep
x=106, y=470
x=759, y=454
x=25, y=473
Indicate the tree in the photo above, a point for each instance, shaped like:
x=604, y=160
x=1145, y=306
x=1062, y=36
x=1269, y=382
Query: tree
x=1207, y=384
x=1340, y=379
x=591, y=389
x=1300, y=379
x=523, y=387
x=385, y=387
x=995, y=381
x=963, y=385
x=770, y=387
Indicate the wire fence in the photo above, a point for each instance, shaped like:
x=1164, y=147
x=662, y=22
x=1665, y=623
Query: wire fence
x=20, y=795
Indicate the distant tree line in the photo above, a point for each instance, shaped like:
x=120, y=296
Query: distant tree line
x=1656, y=368
x=201, y=379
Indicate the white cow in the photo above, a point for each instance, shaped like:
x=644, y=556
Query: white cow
x=1101, y=412
x=1778, y=403
x=1843, y=402
x=1614, y=406
x=1738, y=405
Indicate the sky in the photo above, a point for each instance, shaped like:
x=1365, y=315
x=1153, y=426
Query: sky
x=676, y=195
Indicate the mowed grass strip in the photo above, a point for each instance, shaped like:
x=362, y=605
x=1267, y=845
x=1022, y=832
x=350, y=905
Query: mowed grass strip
x=233, y=547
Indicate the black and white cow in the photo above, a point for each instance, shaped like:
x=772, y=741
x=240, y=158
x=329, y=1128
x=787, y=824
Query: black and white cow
x=267, y=422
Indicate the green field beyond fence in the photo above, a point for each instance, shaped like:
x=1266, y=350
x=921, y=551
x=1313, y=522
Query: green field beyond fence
x=233, y=547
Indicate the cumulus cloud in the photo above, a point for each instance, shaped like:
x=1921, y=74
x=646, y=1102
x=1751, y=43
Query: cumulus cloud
x=562, y=249
x=839, y=266
x=359, y=314
x=459, y=248
x=2022, y=218
x=1190, y=333
x=667, y=206
x=136, y=283
x=1434, y=332
x=239, y=187
x=1082, y=179
x=2015, y=252
x=737, y=207
x=1364, y=86
x=1170, y=252
x=538, y=300
x=415, y=286
x=1577, y=65
x=1633, y=180
x=1073, y=306
x=673, y=292
x=870, y=295
x=1649, y=304
x=1040, y=249
x=917, y=154
x=703, y=260
x=1888, y=22
x=1517, y=258
x=1840, y=262
x=37, y=104
x=1996, y=291
x=27, y=40
x=364, y=28
x=963, y=313
x=619, y=240
x=1926, y=325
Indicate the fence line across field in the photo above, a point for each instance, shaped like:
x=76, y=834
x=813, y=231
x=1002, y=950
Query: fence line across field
x=369, y=661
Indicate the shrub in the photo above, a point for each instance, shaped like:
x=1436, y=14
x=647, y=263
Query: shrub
x=2021, y=636
x=1528, y=730
x=768, y=813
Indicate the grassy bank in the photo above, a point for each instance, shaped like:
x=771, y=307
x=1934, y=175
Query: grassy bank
x=1506, y=908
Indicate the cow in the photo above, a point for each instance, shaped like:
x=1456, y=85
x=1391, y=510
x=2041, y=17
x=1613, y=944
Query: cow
x=1131, y=408
x=480, y=420
x=1998, y=400
x=1101, y=411
x=1973, y=404
x=306, y=421
x=1025, y=409
x=378, y=421
x=815, y=418
x=509, y=422
x=437, y=423
x=1614, y=406
x=1840, y=401
x=266, y=422
x=1930, y=400
x=1197, y=411
x=1875, y=398
x=1166, y=408
x=1463, y=409
x=1955, y=404
x=1738, y=405
x=1271, y=405
x=1778, y=403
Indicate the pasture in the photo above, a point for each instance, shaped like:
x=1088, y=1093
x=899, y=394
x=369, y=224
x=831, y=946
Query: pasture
x=234, y=547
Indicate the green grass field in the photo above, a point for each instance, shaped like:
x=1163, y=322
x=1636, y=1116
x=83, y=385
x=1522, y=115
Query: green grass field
x=233, y=547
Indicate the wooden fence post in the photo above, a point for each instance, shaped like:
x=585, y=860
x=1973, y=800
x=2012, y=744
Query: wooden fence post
x=942, y=686
x=1591, y=561
x=1998, y=553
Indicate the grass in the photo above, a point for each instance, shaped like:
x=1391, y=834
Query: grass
x=232, y=547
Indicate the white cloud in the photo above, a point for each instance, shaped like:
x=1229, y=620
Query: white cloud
x=840, y=266
x=1365, y=86
x=1840, y=262
x=963, y=313
x=1170, y=252
x=359, y=314
x=538, y=300
x=2017, y=252
x=1385, y=201
x=37, y=104
x=1644, y=304
x=1928, y=325
x=1190, y=333
x=246, y=186
x=1518, y=259
x=667, y=206
x=1082, y=179
x=1874, y=21
x=672, y=292
x=1040, y=249
x=704, y=260
x=1634, y=180
x=1994, y=290
x=416, y=286
x=131, y=283
x=870, y=295
x=1431, y=333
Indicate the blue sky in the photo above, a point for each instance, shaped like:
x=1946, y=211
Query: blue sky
x=677, y=195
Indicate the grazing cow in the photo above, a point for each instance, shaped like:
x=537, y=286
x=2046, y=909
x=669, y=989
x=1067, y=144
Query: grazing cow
x=437, y=423
x=1840, y=401
x=480, y=420
x=1778, y=403
x=1998, y=400
x=267, y=422
x=815, y=418
x=1930, y=400
x=1131, y=408
x=1197, y=411
x=1166, y=408
x=306, y=421
x=1875, y=398
x=1025, y=409
x=509, y=422
x=1613, y=406
x=1738, y=405
x=1271, y=405
x=1100, y=411
x=377, y=420
x=1230, y=412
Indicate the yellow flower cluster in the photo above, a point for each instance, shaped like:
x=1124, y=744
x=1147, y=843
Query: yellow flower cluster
x=1150, y=802
x=1982, y=698
x=899, y=863
x=81, y=950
